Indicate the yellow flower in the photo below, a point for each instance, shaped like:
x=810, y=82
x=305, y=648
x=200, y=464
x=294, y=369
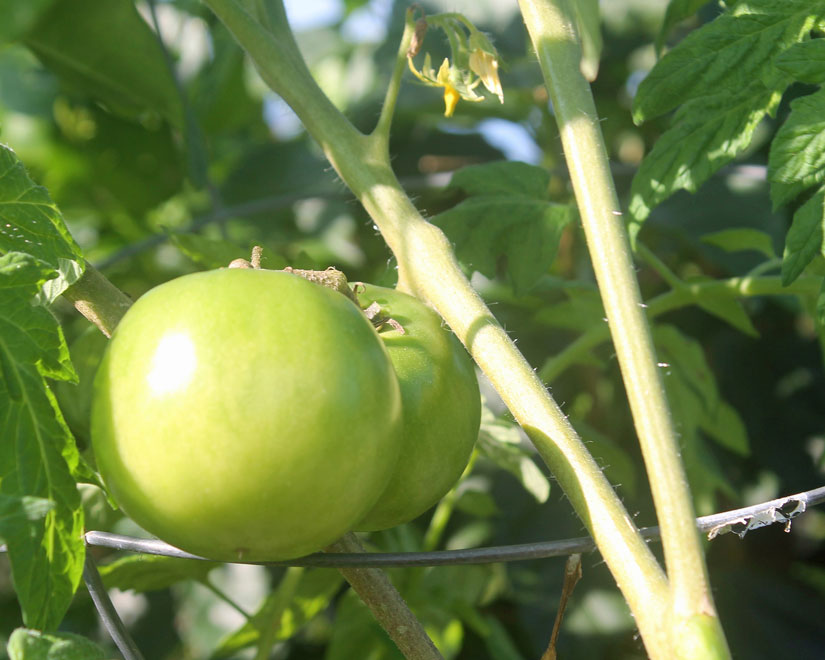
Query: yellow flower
x=455, y=87
x=485, y=66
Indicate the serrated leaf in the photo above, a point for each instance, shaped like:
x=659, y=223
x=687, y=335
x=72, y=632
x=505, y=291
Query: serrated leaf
x=506, y=177
x=729, y=53
x=804, y=61
x=706, y=134
x=37, y=454
x=36, y=645
x=797, y=158
x=677, y=11
x=109, y=53
x=30, y=221
x=19, y=17
x=143, y=573
x=524, y=232
x=741, y=239
x=805, y=237
x=311, y=597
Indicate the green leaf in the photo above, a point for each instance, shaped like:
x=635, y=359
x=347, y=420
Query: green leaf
x=312, y=596
x=728, y=54
x=37, y=454
x=15, y=511
x=804, y=239
x=500, y=441
x=521, y=231
x=108, y=52
x=30, y=221
x=727, y=428
x=707, y=133
x=677, y=11
x=19, y=17
x=797, y=158
x=207, y=252
x=724, y=305
x=35, y=645
x=506, y=177
x=740, y=239
x=804, y=61
x=685, y=360
x=152, y=572
x=476, y=502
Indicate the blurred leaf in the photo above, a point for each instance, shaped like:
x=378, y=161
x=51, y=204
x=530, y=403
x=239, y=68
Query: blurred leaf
x=742, y=238
x=726, y=427
x=476, y=503
x=141, y=573
x=19, y=17
x=582, y=310
x=36, y=645
x=312, y=596
x=108, y=52
x=503, y=178
x=731, y=53
x=707, y=132
x=797, y=158
x=39, y=454
x=726, y=306
x=804, y=61
x=30, y=222
x=677, y=11
x=805, y=237
x=524, y=232
x=500, y=442
x=208, y=253
x=590, y=31
x=357, y=635
x=617, y=464
x=496, y=639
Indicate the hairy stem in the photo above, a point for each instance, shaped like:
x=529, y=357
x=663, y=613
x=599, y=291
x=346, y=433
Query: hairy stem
x=427, y=267
x=552, y=30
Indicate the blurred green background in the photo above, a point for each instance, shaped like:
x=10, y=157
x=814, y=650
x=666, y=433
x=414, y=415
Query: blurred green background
x=148, y=201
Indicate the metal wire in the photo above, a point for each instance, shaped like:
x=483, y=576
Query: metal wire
x=738, y=521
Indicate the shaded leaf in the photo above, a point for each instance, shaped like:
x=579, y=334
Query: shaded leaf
x=506, y=177
x=804, y=61
x=141, y=573
x=311, y=597
x=30, y=222
x=524, y=232
x=725, y=305
x=804, y=239
x=19, y=17
x=742, y=238
x=729, y=53
x=797, y=158
x=109, y=53
x=677, y=11
x=707, y=133
x=38, y=454
x=36, y=645
x=207, y=252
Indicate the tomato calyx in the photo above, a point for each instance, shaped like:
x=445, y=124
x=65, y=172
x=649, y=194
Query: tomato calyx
x=332, y=278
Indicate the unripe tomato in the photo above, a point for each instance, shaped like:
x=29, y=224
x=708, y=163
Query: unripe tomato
x=246, y=414
x=441, y=404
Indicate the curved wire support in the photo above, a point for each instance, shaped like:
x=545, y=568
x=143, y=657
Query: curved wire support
x=738, y=521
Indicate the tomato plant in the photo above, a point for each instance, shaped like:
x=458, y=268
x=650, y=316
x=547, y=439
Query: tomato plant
x=441, y=407
x=246, y=414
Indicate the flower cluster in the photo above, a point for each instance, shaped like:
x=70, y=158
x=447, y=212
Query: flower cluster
x=474, y=60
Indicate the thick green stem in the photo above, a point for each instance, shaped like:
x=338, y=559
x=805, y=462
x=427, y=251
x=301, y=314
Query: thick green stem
x=428, y=268
x=554, y=38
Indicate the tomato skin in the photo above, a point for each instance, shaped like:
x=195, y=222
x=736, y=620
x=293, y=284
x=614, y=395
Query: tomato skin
x=441, y=408
x=231, y=419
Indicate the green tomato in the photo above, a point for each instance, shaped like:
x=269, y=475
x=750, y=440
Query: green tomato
x=246, y=415
x=441, y=403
